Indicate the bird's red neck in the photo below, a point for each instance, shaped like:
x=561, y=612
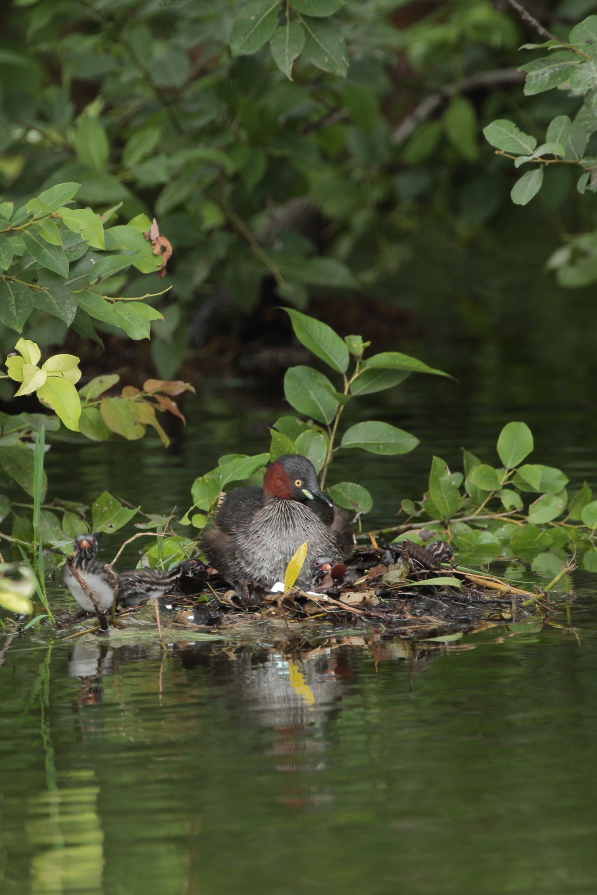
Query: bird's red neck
x=276, y=482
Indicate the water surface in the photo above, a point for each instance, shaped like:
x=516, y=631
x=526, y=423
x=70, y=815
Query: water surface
x=349, y=764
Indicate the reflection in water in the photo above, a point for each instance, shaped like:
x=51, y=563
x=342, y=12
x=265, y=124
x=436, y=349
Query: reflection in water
x=88, y=662
x=65, y=822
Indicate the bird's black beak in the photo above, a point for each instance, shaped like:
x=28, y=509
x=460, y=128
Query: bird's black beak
x=319, y=495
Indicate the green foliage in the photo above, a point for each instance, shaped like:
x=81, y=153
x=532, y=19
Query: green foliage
x=221, y=121
x=510, y=512
x=314, y=395
x=569, y=66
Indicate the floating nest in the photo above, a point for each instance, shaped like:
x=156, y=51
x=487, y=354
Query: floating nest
x=402, y=590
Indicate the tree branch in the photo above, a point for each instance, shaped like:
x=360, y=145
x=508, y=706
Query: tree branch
x=483, y=79
x=531, y=20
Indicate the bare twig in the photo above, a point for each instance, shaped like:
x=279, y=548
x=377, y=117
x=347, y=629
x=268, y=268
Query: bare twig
x=242, y=228
x=159, y=622
x=141, y=534
x=80, y=633
x=493, y=78
x=408, y=526
x=334, y=116
x=531, y=20
x=70, y=561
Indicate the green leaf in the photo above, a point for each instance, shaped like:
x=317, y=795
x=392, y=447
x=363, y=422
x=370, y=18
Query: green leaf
x=58, y=195
x=589, y=514
x=579, y=501
x=287, y=43
x=486, y=478
x=128, y=237
x=548, y=71
x=379, y=438
x=280, y=444
x=171, y=67
x=447, y=581
x=91, y=143
x=514, y=444
x=133, y=317
x=48, y=230
x=312, y=445
x=111, y=264
x=527, y=186
x=6, y=210
x=442, y=490
x=481, y=546
x=240, y=469
x=376, y=380
x=47, y=255
x=4, y=507
x=535, y=477
x=351, y=496
x=511, y=500
x=92, y=426
x=584, y=36
x=321, y=339
x=547, y=507
x=530, y=540
x=17, y=462
x=98, y=386
x=559, y=130
x=311, y=393
x=58, y=301
x=324, y=46
x=394, y=360
x=317, y=7
x=205, y=491
x=355, y=345
x=6, y=252
x=85, y=222
x=504, y=135
x=589, y=561
x=108, y=514
x=291, y=426
x=140, y=145
x=16, y=304
x=63, y=398
x=255, y=23
x=460, y=120
x=118, y=418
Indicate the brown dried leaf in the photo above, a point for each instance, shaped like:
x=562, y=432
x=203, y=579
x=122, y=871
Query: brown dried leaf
x=168, y=387
x=160, y=246
x=351, y=598
x=170, y=405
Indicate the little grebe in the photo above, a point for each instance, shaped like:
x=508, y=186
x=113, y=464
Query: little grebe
x=256, y=531
x=133, y=587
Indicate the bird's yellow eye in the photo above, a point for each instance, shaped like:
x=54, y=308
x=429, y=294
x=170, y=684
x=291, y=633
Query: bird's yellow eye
x=298, y=483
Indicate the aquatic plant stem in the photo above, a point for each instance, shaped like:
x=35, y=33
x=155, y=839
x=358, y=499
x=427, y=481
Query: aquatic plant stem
x=38, y=474
x=332, y=436
x=569, y=567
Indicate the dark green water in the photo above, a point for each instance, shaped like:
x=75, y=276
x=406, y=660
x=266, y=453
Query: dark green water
x=351, y=765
